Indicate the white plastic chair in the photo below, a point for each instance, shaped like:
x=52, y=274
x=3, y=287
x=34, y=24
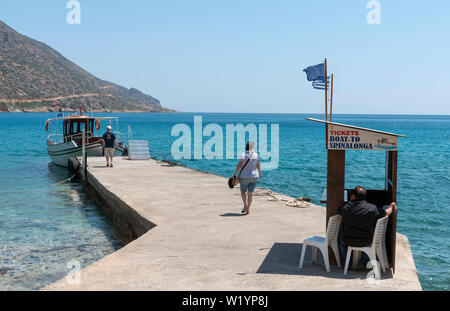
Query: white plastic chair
x=317, y=242
x=376, y=250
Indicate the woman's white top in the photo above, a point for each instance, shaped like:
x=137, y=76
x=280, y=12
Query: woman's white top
x=251, y=169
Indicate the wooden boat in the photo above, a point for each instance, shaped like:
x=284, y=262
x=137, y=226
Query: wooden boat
x=68, y=143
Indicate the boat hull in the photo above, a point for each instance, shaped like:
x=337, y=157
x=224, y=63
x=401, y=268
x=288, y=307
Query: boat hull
x=60, y=153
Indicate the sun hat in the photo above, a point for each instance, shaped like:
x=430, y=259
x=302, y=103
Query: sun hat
x=109, y=127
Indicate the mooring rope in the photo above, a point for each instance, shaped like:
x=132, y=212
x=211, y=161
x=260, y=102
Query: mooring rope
x=68, y=179
x=300, y=202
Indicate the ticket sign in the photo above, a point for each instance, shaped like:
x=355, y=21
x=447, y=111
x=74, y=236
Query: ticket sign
x=349, y=138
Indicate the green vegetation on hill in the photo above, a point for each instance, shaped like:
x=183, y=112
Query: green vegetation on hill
x=35, y=77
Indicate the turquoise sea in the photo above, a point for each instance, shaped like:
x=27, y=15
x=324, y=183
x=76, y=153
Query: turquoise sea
x=44, y=226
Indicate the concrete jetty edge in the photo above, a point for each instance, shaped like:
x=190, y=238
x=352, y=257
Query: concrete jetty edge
x=182, y=239
x=131, y=224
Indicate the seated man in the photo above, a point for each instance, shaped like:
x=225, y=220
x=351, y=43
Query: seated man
x=359, y=219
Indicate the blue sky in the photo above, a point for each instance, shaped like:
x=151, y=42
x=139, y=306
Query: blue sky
x=247, y=55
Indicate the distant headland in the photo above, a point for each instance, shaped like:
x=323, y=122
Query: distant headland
x=36, y=78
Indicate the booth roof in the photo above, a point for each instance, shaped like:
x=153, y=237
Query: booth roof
x=355, y=127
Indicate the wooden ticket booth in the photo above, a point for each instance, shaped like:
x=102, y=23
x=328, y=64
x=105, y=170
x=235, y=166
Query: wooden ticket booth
x=342, y=137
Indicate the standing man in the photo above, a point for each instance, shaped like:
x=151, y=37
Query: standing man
x=109, y=142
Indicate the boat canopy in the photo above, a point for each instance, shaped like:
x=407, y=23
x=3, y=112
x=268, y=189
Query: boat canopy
x=75, y=117
x=74, y=125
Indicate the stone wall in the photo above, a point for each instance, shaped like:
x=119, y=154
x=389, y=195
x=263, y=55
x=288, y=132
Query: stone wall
x=131, y=224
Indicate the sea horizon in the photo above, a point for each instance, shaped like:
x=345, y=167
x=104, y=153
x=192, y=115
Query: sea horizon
x=257, y=113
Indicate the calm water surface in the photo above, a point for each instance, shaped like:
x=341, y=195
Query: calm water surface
x=43, y=226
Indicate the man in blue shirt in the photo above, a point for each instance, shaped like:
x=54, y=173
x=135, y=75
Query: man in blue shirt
x=109, y=142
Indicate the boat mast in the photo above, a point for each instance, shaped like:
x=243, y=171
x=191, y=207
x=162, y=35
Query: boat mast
x=326, y=91
x=331, y=99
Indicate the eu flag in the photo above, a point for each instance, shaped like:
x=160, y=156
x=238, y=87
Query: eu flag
x=314, y=73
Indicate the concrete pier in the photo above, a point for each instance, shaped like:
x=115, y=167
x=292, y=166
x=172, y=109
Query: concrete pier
x=189, y=235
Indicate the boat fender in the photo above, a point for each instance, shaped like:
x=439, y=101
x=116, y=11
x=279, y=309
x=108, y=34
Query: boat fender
x=46, y=126
x=73, y=165
x=97, y=124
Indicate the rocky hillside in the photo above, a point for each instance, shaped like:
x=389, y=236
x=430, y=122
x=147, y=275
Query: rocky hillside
x=35, y=77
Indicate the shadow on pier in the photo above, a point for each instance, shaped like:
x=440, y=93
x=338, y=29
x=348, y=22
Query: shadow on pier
x=283, y=258
x=232, y=215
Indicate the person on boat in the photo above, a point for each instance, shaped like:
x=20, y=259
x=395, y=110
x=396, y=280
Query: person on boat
x=359, y=219
x=109, y=142
x=249, y=175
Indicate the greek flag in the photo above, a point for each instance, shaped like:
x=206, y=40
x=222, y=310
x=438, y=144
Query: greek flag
x=320, y=84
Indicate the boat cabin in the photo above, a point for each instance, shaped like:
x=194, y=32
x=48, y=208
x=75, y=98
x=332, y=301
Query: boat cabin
x=73, y=127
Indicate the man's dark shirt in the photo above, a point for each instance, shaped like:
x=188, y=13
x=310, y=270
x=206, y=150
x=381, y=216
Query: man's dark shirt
x=359, y=221
x=109, y=139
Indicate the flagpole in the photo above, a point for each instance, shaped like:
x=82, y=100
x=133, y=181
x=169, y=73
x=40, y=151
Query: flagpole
x=326, y=91
x=331, y=99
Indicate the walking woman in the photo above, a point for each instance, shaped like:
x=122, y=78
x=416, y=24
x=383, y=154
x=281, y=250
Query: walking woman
x=249, y=175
